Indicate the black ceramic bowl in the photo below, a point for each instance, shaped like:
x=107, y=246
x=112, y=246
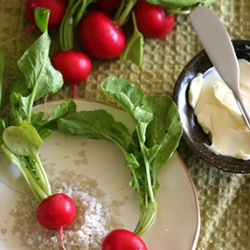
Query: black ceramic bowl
x=193, y=134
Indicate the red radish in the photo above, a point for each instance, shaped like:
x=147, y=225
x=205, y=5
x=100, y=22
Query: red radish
x=56, y=212
x=108, y=6
x=151, y=19
x=75, y=66
x=122, y=239
x=57, y=11
x=100, y=36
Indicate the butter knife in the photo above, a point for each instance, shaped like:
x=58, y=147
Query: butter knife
x=219, y=48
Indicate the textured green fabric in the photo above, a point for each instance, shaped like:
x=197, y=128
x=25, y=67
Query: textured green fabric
x=224, y=198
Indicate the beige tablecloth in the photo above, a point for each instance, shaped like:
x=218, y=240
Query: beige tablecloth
x=223, y=197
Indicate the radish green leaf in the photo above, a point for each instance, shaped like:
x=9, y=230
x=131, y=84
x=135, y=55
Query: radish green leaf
x=157, y=133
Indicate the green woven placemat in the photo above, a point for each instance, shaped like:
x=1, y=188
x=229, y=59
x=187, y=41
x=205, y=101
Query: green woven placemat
x=223, y=197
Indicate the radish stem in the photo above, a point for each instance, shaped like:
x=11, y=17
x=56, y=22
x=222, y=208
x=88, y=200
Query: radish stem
x=125, y=13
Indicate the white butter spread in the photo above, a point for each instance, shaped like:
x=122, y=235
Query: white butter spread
x=218, y=113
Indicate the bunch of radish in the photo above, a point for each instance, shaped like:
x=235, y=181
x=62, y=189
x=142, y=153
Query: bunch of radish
x=111, y=32
x=106, y=29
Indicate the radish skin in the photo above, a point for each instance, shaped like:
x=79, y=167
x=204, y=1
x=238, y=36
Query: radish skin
x=56, y=212
x=108, y=6
x=57, y=11
x=152, y=21
x=104, y=39
x=122, y=239
x=75, y=67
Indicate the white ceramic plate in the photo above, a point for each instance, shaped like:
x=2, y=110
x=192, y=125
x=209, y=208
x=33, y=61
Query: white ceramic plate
x=178, y=222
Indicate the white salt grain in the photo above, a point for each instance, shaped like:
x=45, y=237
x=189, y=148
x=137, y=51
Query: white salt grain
x=95, y=216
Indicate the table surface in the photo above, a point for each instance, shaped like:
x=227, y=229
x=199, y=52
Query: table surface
x=223, y=197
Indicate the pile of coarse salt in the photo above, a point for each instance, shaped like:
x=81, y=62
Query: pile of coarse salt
x=96, y=216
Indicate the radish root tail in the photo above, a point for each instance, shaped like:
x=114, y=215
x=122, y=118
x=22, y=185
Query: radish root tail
x=61, y=238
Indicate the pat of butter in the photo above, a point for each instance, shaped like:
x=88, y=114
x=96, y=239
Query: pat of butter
x=195, y=90
x=225, y=96
x=218, y=113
